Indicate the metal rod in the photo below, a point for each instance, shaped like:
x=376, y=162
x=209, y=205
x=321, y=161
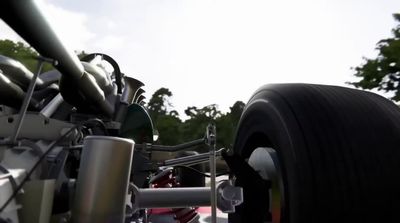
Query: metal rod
x=176, y=148
x=190, y=160
x=211, y=141
x=28, y=20
x=228, y=196
x=26, y=101
x=213, y=187
x=172, y=197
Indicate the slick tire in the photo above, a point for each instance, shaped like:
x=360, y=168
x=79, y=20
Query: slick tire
x=338, y=154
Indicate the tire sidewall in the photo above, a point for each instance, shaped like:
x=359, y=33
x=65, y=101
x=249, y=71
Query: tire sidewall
x=267, y=117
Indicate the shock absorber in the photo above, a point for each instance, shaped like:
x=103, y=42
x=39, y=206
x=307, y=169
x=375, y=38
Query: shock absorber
x=167, y=179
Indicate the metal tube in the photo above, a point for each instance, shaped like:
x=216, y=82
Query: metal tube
x=228, y=196
x=26, y=18
x=177, y=147
x=186, y=159
x=213, y=186
x=190, y=160
x=211, y=141
x=10, y=93
x=103, y=180
x=185, y=162
x=28, y=21
x=18, y=73
x=52, y=106
x=172, y=197
x=25, y=103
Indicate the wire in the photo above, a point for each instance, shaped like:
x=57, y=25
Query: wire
x=199, y=172
x=42, y=157
x=99, y=122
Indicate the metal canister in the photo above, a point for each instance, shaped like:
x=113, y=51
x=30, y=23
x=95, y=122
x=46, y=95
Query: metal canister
x=103, y=180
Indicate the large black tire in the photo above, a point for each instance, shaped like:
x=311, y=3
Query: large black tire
x=338, y=150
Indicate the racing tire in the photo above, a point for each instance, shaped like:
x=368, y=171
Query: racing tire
x=338, y=155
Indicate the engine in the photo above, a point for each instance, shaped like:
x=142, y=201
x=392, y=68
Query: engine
x=76, y=141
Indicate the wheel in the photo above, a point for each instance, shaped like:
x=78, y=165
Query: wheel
x=326, y=153
x=188, y=178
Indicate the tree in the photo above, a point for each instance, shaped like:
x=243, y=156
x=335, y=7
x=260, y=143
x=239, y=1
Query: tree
x=172, y=130
x=227, y=124
x=166, y=120
x=22, y=53
x=383, y=72
x=236, y=111
x=159, y=104
x=169, y=129
x=199, y=118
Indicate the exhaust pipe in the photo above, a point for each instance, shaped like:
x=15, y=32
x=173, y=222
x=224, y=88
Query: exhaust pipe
x=18, y=73
x=10, y=94
x=25, y=17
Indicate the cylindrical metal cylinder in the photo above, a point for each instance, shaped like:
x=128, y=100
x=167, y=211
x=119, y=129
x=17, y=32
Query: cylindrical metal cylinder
x=103, y=180
x=172, y=197
x=52, y=106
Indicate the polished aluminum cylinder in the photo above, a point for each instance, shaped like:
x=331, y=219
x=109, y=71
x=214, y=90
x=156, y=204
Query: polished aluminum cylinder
x=52, y=106
x=103, y=180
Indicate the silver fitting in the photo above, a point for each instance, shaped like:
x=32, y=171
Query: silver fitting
x=228, y=196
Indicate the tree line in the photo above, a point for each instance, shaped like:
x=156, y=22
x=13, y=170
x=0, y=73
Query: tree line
x=173, y=130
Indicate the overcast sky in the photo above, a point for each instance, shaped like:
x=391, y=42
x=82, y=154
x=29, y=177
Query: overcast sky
x=220, y=51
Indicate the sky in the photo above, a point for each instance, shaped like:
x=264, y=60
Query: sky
x=220, y=51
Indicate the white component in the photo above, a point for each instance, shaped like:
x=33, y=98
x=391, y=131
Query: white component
x=6, y=190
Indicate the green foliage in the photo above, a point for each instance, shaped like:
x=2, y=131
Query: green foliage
x=226, y=125
x=22, y=53
x=172, y=130
x=159, y=104
x=166, y=122
x=383, y=72
x=169, y=129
